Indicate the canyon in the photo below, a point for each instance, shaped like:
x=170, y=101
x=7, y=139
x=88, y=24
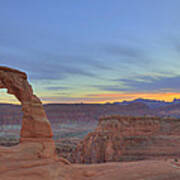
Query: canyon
x=70, y=123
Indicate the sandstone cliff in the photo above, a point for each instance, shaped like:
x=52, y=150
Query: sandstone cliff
x=119, y=138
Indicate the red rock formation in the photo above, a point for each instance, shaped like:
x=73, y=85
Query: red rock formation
x=35, y=157
x=35, y=122
x=119, y=138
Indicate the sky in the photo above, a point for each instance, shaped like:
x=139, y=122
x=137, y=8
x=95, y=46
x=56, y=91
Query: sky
x=93, y=51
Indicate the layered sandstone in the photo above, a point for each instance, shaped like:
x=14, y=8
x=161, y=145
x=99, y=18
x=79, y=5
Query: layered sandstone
x=118, y=138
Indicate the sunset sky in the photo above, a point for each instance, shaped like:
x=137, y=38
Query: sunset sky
x=93, y=51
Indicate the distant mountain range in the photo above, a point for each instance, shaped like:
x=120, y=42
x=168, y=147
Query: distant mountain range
x=90, y=113
x=150, y=103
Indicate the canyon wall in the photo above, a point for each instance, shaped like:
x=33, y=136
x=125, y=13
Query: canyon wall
x=118, y=138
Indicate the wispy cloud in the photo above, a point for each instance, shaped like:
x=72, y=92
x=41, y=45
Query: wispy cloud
x=152, y=84
x=52, y=66
x=57, y=88
x=46, y=70
x=131, y=54
x=109, y=87
x=143, y=83
x=124, y=51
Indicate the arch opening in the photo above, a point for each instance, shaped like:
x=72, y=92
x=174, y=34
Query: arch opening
x=10, y=119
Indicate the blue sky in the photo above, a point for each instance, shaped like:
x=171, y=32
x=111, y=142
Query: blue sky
x=93, y=51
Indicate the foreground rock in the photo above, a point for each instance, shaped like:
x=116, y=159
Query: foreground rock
x=141, y=170
x=119, y=138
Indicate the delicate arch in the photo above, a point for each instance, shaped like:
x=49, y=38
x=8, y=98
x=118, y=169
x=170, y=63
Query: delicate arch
x=35, y=123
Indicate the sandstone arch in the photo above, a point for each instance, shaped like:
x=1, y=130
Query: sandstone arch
x=35, y=123
x=35, y=156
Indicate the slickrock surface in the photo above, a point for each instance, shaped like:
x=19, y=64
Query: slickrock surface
x=141, y=170
x=119, y=138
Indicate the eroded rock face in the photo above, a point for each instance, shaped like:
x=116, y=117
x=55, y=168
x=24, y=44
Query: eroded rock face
x=35, y=123
x=119, y=138
x=107, y=142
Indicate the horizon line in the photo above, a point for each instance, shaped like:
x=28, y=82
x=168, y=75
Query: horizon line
x=89, y=103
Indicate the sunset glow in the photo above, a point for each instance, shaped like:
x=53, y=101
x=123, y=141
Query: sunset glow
x=86, y=52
